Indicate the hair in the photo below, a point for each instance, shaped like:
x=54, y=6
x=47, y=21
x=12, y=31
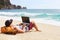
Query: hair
x=8, y=22
x=11, y=20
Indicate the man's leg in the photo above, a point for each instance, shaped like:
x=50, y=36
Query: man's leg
x=34, y=25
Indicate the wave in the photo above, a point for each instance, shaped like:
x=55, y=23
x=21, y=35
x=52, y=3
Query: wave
x=17, y=14
x=54, y=16
x=44, y=21
x=48, y=18
x=26, y=14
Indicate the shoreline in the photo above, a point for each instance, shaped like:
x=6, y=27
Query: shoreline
x=37, y=20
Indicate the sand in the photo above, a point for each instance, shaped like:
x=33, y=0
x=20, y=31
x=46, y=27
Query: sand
x=49, y=32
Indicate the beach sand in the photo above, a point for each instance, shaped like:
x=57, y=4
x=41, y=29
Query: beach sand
x=49, y=32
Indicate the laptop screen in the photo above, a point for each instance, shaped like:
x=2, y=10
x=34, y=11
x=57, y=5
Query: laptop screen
x=25, y=19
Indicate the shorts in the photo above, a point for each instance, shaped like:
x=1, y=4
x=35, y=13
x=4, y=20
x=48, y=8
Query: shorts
x=30, y=26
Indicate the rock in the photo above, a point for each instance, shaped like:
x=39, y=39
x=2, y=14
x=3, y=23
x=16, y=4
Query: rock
x=24, y=8
x=5, y=4
x=18, y=7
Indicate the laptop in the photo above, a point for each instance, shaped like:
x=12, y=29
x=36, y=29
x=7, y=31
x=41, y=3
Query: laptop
x=25, y=19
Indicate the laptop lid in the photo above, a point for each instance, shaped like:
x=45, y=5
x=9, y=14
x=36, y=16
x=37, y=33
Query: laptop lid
x=25, y=19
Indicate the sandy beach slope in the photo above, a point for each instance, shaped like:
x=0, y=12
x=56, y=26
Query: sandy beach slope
x=49, y=32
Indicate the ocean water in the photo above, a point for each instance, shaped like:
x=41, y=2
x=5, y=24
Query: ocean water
x=48, y=16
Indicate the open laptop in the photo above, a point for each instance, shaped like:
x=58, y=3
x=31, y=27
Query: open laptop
x=25, y=19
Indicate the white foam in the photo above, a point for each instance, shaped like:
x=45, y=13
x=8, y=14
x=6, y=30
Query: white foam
x=52, y=22
x=10, y=13
x=52, y=13
x=7, y=18
x=19, y=13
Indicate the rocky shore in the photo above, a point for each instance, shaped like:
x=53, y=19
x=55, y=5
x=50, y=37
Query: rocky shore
x=6, y=4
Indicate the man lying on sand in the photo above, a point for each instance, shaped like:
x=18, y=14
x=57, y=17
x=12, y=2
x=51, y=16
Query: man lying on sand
x=11, y=29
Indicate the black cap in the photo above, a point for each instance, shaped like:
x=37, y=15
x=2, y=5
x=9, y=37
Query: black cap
x=8, y=22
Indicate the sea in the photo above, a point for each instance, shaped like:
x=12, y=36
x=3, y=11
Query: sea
x=47, y=16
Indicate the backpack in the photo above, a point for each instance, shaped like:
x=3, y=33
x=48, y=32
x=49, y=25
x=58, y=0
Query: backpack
x=8, y=30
